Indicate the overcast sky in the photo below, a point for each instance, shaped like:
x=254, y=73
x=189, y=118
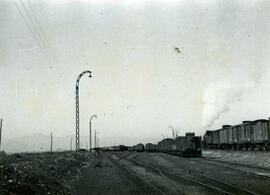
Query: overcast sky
x=141, y=84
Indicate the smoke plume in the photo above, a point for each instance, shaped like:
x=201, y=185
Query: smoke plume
x=218, y=98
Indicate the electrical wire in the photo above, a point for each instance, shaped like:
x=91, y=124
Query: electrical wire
x=42, y=33
x=31, y=30
x=39, y=34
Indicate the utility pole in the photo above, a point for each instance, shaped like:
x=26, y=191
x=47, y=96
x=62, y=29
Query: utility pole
x=90, y=131
x=77, y=108
x=172, y=131
x=71, y=145
x=177, y=132
x=1, y=122
x=51, y=142
x=95, y=138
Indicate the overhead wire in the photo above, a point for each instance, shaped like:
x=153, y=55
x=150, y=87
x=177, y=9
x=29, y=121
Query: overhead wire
x=37, y=31
x=42, y=33
x=39, y=35
x=31, y=30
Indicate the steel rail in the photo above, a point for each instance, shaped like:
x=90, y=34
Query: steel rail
x=235, y=163
x=243, y=171
x=199, y=182
x=138, y=177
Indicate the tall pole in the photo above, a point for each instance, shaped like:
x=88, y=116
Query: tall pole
x=172, y=131
x=90, y=131
x=51, y=142
x=71, y=145
x=77, y=108
x=1, y=122
x=95, y=138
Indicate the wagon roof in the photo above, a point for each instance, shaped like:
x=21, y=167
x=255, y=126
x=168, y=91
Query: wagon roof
x=166, y=140
x=246, y=122
x=180, y=137
x=264, y=120
x=150, y=144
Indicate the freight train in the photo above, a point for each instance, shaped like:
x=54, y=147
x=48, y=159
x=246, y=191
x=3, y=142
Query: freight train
x=187, y=146
x=250, y=135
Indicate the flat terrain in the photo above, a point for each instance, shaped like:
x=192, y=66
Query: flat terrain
x=253, y=158
x=158, y=173
x=41, y=173
x=127, y=173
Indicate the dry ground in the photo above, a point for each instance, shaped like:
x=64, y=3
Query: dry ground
x=117, y=173
x=41, y=173
x=253, y=158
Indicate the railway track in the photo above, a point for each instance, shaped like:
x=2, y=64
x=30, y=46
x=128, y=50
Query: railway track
x=208, y=182
x=235, y=163
x=240, y=168
x=154, y=187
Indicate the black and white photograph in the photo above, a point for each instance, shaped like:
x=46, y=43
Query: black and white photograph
x=135, y=97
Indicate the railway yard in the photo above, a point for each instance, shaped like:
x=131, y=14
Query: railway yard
x=129, y=172
x=159, y=173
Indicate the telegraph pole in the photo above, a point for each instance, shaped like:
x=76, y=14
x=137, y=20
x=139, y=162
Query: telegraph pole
x=1, y=122
x=51, y=142
x=71, y=145
x=77, y=108
x=95, y=138
x=172, y=131
x=90, y=131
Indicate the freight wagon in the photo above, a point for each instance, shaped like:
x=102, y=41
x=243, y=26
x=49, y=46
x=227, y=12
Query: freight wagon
x=188, y=146
x=166, y=145
x=149, y=147
x=138, y=148
x=207, y=142
x=249, y=135
x=120, y=148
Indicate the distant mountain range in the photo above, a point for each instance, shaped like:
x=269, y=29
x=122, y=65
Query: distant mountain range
x=41, y=142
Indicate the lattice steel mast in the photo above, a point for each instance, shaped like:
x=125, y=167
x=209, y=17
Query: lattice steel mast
x=77, y=108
